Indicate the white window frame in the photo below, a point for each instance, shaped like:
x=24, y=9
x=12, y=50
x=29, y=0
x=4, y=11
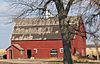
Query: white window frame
x=36, y=51
x=61, y=50
x=53, y=50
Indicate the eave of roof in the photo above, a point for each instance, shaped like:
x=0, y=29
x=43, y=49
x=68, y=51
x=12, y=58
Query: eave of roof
x=17, y=46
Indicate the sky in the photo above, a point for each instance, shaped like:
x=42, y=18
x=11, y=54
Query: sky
x=5, y=28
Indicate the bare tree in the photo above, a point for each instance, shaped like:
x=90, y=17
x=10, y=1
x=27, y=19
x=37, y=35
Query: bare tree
x=93, y=23
x=61, y=8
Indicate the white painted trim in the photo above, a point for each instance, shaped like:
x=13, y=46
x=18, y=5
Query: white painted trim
x=61, y=50
x=35, y=50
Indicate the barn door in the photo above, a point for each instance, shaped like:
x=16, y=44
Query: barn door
x=29, y=53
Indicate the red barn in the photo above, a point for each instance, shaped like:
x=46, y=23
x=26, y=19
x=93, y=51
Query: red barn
x=40, y=38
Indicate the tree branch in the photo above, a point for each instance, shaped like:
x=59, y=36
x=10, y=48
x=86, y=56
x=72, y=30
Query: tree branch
x=68, y=6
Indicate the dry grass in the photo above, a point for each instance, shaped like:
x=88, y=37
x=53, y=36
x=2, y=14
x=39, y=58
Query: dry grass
x=2, y=52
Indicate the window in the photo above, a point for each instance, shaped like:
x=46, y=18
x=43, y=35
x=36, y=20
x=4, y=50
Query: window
x=61, y=50
x=35, y=49
x=53, y=52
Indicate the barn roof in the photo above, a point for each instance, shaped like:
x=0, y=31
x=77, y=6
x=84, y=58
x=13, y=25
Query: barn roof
x=16, y=46
x=39, y=29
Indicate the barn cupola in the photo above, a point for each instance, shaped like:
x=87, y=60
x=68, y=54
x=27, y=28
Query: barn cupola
x=47, y=14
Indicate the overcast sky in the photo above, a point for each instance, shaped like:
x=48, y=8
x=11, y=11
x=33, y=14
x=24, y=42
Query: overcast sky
x=5, y=29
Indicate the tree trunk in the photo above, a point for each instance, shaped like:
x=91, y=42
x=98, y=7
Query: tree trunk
x=67, y=58
x=64, y=30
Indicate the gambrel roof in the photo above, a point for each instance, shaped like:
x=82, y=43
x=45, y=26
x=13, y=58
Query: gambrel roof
x=39, y=28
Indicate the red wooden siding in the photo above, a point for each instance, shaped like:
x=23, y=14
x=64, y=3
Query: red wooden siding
x=44, y=46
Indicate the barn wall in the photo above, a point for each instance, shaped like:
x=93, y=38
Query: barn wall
x=44, y=46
